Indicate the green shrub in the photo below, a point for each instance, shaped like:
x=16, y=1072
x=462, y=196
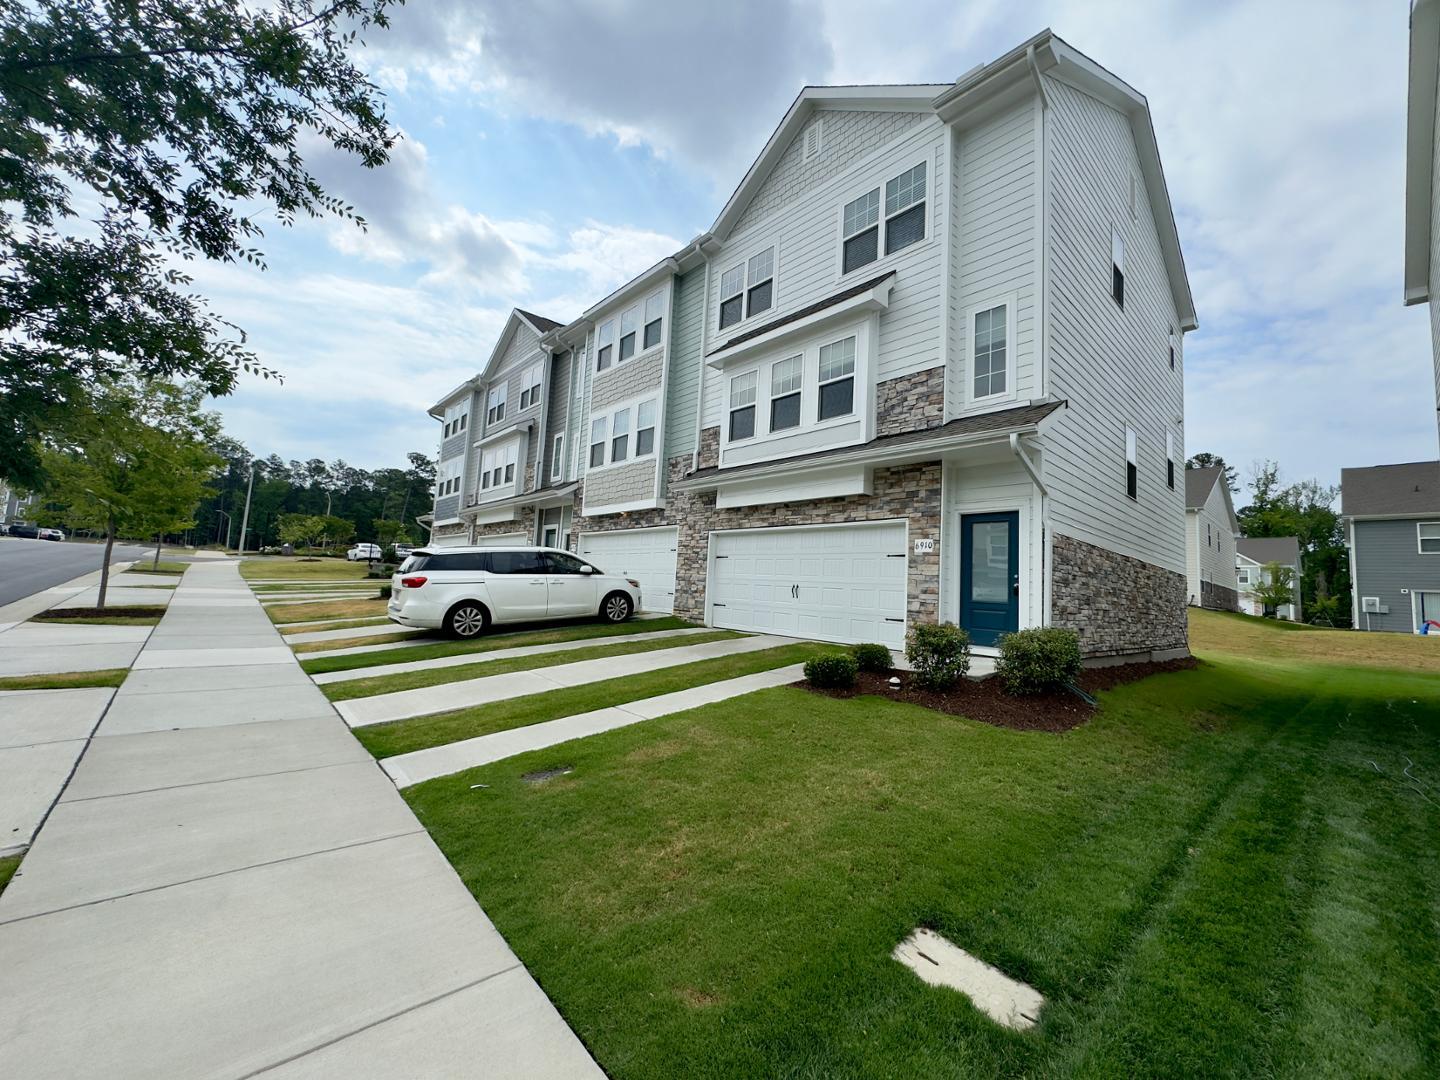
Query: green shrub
x=833, y=672
x=872, y=657
x=385, y=591
x=1038, y=659
x=939, y=653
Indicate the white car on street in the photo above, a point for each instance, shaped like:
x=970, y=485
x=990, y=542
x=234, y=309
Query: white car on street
x=463, y=590
x=363, y=553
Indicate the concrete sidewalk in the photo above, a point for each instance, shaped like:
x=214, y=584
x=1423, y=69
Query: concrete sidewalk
x=230, y=886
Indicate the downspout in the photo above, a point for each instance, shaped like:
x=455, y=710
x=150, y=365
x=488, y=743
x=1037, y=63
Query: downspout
x=542, y=431
x=1028, y=464
x=1042, y=224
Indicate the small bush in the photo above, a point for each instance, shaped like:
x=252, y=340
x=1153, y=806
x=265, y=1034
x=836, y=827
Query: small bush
x=834, y=672
x=387, y=554
x=939, y=653
x=1039, y=659
x=385, y=591
x=872, y=657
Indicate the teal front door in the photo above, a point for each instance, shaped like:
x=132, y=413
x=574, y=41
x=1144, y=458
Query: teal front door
x=989, y=575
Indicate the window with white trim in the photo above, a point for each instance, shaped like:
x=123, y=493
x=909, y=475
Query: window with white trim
x=619, y=436
x=1117, y=267
x=645, y=428
x=760, y=283
x=732, y=296
x=1170, y=460
x=903, y=219
x=1242, y=575
x=991, y=365
x=654, y=319
x=628, y=320
x=497, y=466
x=597, y=442
x=742, y=405
x=837, y=379
x=530, y=385
x=1172, y=348
x=495, y=403
x=785, y=379
x=605, y=345
x=1427, y=533
x=1208, y=537
x=905, y=209
x=557, y=458
x=860, y=232
x=1132, y=464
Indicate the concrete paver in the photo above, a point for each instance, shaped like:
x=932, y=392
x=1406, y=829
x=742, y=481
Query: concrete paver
x=42, y=732
x=40, y=716
x=134, y=713
x=53, y=660
x=232, y=657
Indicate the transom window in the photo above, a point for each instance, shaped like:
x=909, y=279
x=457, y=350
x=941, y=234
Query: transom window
x=605, y=345
x=1428, y=533
x=644, y=428
x=992, y=350
x=785, y=377
x=732, y=296
x=1117, y=267
x=620, y=436
x=654, y=319
x=597, y=442
x=1132, y=466
x=837, y=379
x=495, y=404
x=904, y=219
x=628, y=319
x=530, y=385
x=742, y=405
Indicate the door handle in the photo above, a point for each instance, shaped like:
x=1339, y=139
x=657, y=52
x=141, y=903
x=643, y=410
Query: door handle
x=1015, y=585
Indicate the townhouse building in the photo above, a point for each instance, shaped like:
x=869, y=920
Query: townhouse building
x=927, y=364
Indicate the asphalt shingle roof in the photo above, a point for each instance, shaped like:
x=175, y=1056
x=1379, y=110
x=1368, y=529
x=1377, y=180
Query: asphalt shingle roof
x=1267, y=549
x=796, y=316
x=1411, y=488
x=539, y=321
x=1198, y=483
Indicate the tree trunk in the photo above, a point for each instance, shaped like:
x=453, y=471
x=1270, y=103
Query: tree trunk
x=158, y=538
x=105, y=564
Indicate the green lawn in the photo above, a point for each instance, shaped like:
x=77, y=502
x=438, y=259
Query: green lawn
x=409, y=680
x=346, y=608
x=8, y=865
x=1226, y=872
x=316, y=570
x=342, y=624
x=402, y=736
x=65, y=680
x=167, y=566
x=508, y=639
x=119, y=618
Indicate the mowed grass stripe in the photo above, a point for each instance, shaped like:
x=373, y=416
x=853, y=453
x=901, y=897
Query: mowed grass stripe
x=320, y=570
x=342, y=624
x=327, y=609
x=500, y=639
x=410, y=680
x=418, y=733
x=65, y=680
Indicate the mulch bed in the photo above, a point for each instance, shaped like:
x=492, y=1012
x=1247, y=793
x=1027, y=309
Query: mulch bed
x=133, y=611
x=987, y=701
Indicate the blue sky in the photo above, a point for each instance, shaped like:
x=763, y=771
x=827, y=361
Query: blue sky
x=552, y=150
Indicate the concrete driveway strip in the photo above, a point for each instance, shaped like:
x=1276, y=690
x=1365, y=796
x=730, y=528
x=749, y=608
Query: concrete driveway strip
x=219, y=895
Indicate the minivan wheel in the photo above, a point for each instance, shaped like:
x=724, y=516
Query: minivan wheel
x=616, y=608
x=467, y=620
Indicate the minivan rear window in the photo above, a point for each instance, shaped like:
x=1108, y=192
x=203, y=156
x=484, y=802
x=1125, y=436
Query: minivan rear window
x=426, y=560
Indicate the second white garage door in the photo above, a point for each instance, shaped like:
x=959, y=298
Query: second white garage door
x=502, y=540
x=647, y=555
x=833, y=583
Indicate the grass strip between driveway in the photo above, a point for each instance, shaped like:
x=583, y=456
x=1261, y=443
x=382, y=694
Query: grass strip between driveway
x=410, y=680
x=65, y=680
x=500, y=639
x=417, y=733
x=316, y=570
x=371, y=607
x=8, y=865
x=342, y=624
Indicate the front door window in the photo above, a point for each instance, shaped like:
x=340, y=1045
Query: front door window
x=989, y=576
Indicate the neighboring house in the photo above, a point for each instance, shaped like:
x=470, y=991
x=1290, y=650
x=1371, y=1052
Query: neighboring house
x=1252, y=556
x=926, y=365
x=1422, y=165
x=1210, y=530
x=14, y=503
x=1391, y=515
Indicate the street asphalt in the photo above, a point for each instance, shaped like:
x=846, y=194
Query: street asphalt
x=30, y=566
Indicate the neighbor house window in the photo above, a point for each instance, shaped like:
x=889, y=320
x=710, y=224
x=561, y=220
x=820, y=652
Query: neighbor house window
x=628, y=319
x=991, y=353
x=597, y=443
x=1170, y=459
x=1429, y=536
x=1207, y=535
x=644, y=428
x=1172, y=348
x=837, y=379
x=1117, y=267
x=620, y=436
x=785, y=393
x=905, y=209
x=732, y=296
x=860, y=231
x=557, y=458
x=495, y=404
x=530, y=386
x=742, y=405
x=605, y=340
x=1242, y=576
x=1132, y=471
x=654, y=319
x=760, y=283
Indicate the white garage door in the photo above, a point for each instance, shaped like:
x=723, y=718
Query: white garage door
x=837, y=583
x=647, y=555
x=502, y=540
x=450, y=540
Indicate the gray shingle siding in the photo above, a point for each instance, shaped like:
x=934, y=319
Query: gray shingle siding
x=1387, y=559
x=619, y=486
x=626, y=381
x=558, y=404
x=453, y=446
x=447, y=508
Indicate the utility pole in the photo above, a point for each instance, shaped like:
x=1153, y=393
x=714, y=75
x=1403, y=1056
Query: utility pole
x=245, y=519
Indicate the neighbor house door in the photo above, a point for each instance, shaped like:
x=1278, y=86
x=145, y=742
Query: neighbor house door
x=989, y=575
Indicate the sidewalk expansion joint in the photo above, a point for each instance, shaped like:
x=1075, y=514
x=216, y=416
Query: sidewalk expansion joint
x=208, y=783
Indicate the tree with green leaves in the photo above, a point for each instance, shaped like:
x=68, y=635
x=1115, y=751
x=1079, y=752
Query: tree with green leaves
x=300, y=530
x=176, y=124
x=1205, y=460
x=135, y=458
x=1305, y=510
x=1276, y=587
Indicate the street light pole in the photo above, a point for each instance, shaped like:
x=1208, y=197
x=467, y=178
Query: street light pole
x=245, y=519
x=229, y=524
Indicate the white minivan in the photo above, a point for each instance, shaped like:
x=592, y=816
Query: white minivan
x=462, y=590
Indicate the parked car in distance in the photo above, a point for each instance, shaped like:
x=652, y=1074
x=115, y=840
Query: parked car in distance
x=403, y=551
x=463, y=590
x=51, y=534
x=363, y=552
x=25, y=529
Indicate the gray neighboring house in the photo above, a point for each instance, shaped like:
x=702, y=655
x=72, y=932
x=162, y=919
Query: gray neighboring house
x=14, y=503
x=1210, y=530
x=1252, y=556
x=1391, y=515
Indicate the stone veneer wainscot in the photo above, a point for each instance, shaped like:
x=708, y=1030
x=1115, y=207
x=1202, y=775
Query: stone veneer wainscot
x=1120, y=607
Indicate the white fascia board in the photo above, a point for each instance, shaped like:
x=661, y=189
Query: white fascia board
x=876, y=298
x=1420, y=147
x=665, y=268
x=438, y=409
x=493, y=515
x=622, y=508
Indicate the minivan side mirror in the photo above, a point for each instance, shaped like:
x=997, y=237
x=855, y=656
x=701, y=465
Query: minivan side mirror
x=586, y=568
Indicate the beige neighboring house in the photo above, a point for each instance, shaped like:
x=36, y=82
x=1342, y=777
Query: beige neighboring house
x=1252, y=556
x=1210, y=530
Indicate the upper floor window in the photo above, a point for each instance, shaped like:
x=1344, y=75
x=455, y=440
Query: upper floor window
x=628, y=319
x=557, y=458
x=992, y=352
x=644, y=428
x=597, y=442
x=455, y=425
x=860, y=231
x=785, y=379
x=1242, y=575
x=620, y=436
x=605, y=344
x=1170, y=460
x=904, y=219
x=1209, y=539
x=1117, y=266
x=1172, y=348
x=1132, y=464
x=748, y=288
x=732, y=296
x=1428, y=534
x=654, y=319
x=530, y=385
x=497, y=466
x=837, y=379
x=495, y=404
x=742, y=405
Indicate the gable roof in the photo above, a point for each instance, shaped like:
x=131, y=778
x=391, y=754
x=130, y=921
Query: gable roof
x=1391, y=490
x=1420, y=147
x=1267, y=549
x=1198, y=483
x=538, y=323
